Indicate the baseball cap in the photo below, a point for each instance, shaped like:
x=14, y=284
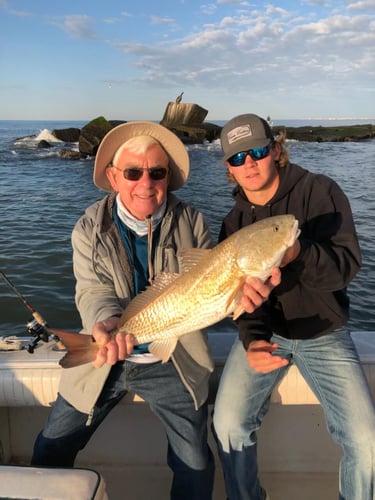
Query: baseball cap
x=244, y=132
x=178, y=156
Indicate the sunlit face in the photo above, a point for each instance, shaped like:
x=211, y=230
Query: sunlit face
x=144, y=196
x=258, y=178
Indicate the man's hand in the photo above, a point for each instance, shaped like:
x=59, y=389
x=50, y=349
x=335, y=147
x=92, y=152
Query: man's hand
x=260, y=358
x=291, y=253
x=254, y=292
x=112, y=348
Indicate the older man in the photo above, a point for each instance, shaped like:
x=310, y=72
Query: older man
x=119, y=245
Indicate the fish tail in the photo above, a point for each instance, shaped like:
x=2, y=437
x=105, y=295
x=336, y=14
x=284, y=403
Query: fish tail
x=81, y=349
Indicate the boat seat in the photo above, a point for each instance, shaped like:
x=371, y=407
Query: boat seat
x=43, y=483
x=293, y=389
x=33, y=379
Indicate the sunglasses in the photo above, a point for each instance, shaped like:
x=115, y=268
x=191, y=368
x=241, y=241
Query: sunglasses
x=135, y=173
x=255, y=154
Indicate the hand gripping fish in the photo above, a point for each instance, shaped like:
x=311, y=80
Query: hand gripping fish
x=207, y=290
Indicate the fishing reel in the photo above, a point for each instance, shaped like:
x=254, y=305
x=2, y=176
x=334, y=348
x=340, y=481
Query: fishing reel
x=36, y=327
x=38, y=331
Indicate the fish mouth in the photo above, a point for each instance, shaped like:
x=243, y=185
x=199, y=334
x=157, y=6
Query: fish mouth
x=295, y=232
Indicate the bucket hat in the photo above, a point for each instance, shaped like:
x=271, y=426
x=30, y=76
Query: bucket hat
x=178, y=156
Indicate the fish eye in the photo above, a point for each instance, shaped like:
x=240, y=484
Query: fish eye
x=275, y=229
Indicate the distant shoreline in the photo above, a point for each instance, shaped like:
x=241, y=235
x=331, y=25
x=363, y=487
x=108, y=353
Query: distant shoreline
x=334, y=133
x=299, y=122
x=300, y=130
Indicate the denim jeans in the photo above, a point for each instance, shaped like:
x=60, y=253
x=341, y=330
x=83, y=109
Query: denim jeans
x=189, y=455
x=331, y=367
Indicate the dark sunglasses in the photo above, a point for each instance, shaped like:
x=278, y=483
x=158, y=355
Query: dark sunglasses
x=135, y=173
x=255, y=154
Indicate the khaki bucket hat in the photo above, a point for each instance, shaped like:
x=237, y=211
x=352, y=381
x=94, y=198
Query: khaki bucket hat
x=179, y=162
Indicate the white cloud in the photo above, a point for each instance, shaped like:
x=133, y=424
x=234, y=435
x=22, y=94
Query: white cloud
x=4, y=4
x=77, y=26
x=20, y=13
x=320, y=3
x=111, y=20
x=271, y=9
x=234, y=2
x=273, y=52
x=162, y=20
x=308, y=55
x=362, y=5
x=208, y=9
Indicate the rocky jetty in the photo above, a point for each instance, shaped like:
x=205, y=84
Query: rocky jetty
x=88, y=138
x=187, y=121
x=343, y=133
x=67, y=134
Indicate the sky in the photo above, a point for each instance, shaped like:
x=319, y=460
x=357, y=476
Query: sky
x=125, y=60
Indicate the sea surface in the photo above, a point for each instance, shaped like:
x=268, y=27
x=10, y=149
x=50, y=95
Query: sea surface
x=42, y=196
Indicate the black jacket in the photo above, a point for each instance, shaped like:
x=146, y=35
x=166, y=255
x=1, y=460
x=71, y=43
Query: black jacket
x=312, y=299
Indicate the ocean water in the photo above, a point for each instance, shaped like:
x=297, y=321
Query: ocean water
x=42, y=196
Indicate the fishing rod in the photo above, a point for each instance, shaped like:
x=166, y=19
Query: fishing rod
x=37, y=327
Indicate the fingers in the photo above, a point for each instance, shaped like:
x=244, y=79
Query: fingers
x=112, y=352
x=261, y=358
x=275, y=278
x=250, y=299
x=101, y=331
x=125, y=345
x=111, y=348
x=115, y=349
x=255, y=292
x=291, y=253
x=101, y=358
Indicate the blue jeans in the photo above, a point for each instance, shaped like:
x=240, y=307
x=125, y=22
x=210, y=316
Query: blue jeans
x=189, y=455
x=331, y=367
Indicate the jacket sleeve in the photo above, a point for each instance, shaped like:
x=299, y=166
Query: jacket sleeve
x=253, y=327
x=202, y=234
x=96, y=296
x=330, y=254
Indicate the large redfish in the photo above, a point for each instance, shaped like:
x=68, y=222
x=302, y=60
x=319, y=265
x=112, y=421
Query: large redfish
x=207, y=290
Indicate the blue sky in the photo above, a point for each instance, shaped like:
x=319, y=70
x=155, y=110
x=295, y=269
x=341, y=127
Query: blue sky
x=75, y=60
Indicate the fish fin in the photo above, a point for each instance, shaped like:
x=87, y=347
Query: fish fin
x=144, y=298
x=238, y=310
x=190, y=258
x=233, y=305
x=81, y=348
x=163, y=349
x=161, y=281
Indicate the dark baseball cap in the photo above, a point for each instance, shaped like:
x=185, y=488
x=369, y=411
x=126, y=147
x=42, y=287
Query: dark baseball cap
x=244, y=132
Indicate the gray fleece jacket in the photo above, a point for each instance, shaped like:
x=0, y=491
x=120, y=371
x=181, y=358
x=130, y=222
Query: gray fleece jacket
x=104, y=287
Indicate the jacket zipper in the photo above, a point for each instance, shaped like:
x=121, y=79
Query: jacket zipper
x=90, y=417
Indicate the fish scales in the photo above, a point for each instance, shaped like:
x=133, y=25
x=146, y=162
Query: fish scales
x=193, y=301
x=207, y=290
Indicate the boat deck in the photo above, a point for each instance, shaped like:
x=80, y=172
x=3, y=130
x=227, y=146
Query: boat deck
x=297, y=457
x=136, y=483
